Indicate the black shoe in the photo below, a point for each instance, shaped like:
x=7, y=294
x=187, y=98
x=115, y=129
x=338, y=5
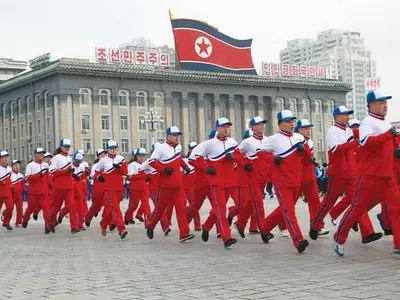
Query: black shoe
x=271, y=196
x=132, y=222
x=25, y=224
x=240, y=231
x=82, y=228
x=35, y=217
x=56, y=223
x=313, y=234
x=197, y=229
x=355, y=227
x=123, y=234
x=205, y=235
x=141, y=219
x=372, y=237
x=96, y=214
x=167, y=232
x=112, y=227
x=47, y=230
x=230, y=242
x=254, y=232
x=126, y=221
x=230, y=220
x=266, y=237
x=388, y=231
x=187, y=238
x=302, y=246
x=59, y=220
x=8, y=227
x=150, y=233
x=87, y=222
x=52, y=229
x=75, y=230
x=218, y=235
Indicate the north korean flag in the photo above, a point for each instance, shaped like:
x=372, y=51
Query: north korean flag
x=201, y=47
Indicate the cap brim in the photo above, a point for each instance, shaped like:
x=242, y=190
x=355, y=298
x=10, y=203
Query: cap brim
x=175, y=133
x=261, y=122
x=229, y=123
x=288, y=119
x=5, y=155
x=347, y=112
x=112, y=147
x=383, y=98
x=16, y=162
x=306, y=126
x=66, y=146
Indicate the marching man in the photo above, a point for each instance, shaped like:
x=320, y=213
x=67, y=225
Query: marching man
x=376, y=181
x=17, y=188
x=167, y=160
x=5, y=189
x=289, y=151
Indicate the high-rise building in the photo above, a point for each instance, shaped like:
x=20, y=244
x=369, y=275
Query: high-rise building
x=10, y=68
x=344, y=53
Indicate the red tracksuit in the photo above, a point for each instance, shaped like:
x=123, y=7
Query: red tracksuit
x=18, y=186
x=341, y=176
x=5, y=194
x=153, y=179
x=139, y=191
x=38, y=177
x=189, y=185
x=376, y=178
x=286, y=178
x=98, y=199
x=63, y=189
x=113, y=190
x=164, y=157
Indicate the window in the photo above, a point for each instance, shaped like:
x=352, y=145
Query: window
x=21, y=130
x=38, y=129
x=293, y=106
x=125, y=145
x=104, y=97
x=319, y=126
x=14, y=134
x=142, y=123
x=123, y=98
x=124, y=122
x=143, y=143
x=85, y=119
x=306, y=106
x=319, y=145
x=105, y=141
x=105, y=122
x=6, y=134
x=48, y=145
x=330, y=123
x=86, y=145
x=279, y=105
x=14, y=153
x=141, y=99
x=84, y=97
x=47, y=125
x=318, y=109
x=30, y=129
x=22, y=152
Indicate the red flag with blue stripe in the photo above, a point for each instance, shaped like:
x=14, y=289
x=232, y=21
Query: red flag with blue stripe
x=201, y=47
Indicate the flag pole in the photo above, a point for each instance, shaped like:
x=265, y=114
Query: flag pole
x=177, y=60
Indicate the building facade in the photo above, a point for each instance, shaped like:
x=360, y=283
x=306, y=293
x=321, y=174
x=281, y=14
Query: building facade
x=10, y=68
x=92, y=103
x=345, y=54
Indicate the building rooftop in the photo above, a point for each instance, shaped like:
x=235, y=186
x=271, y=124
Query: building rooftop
x=82, y=67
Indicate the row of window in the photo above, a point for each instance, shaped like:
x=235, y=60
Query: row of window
x=38, y=129
x=305, y=105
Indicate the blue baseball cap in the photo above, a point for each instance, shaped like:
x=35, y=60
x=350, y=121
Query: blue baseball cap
x=100, y=151
x=222, y=121
x=212, y=134
x=353, y=122
x=285, y=115
x=78, y=157
x=15, y=161
x=141, y=151
x=65, y=143
x=257, y=120
x=248, y=133
x=48, y=154
x=342, y=110
x=174, y=130
x=304, y=123
x=112, y=144
x=4, y=154
x=39, y=151
x=192, y=145
x=376, y=96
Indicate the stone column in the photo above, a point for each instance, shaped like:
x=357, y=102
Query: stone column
x=231, y=113
x=202, y=135
x=217, y=108
x=184, y=126
x=76, y=119
x=272, y=120
x=168, y=110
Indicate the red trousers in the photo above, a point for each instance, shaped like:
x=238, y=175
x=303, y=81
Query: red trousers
x=80, y=208
x=219, y=197
x=190, y=195
x=19, y=203
x=97, y=203
x=311, y=193
x=59, y=196
x=35, y=204
x=200, y=193
x=112, y=210
x=154, y=195
x=7, y=213
x=287, y=198
x=168, y=212
x=368, y=190
x=336, y=185
x=177, y=197
x=137, y=196
x=251, y=198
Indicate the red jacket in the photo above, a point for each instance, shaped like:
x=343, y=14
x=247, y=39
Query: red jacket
x=5, y=182
x=113, y=180
x=308, y=166
x=137, y=177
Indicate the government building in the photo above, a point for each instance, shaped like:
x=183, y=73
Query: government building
x=91, y=103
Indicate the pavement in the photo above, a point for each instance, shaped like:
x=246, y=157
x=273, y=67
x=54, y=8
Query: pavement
x=84, y=266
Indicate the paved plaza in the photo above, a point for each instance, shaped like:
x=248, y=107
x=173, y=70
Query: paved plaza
x=88, y=266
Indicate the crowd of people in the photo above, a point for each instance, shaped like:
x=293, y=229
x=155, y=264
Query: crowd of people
x=364, y=163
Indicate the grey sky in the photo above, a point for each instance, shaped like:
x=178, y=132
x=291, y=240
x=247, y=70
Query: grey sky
x=74, y=28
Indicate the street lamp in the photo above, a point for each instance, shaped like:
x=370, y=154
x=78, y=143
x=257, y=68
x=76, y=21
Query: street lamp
x=152, y=118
